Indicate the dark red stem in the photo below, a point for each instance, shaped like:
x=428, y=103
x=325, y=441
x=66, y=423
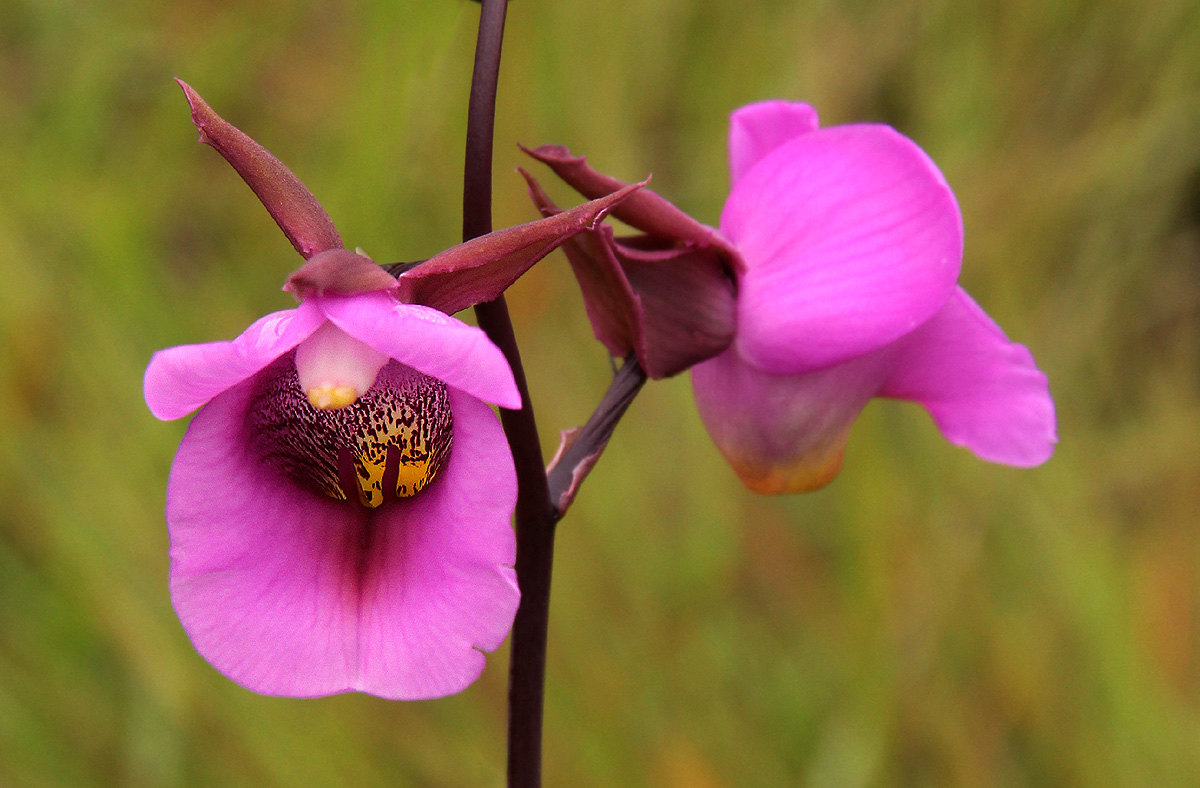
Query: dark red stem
x=535, y=516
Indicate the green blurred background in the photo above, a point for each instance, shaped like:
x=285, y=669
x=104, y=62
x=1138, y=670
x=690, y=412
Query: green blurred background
x=927, y=620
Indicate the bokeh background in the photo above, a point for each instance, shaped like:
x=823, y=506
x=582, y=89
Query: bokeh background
x=927, y=620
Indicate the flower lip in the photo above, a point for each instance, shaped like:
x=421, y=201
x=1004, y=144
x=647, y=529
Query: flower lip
x=291, y=593
x=390, y=442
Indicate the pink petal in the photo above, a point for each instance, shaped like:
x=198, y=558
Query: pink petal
x=180, y=379
x=289, y=593
x=984, y=391
x=447, y=577
x=285, y=197
x=429, y=341
x=783, y=433
x=757, y=129
x=263, y=573
x=851, y=238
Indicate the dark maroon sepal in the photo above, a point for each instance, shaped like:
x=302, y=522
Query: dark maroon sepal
x=482, y=268
x=338, y=272
x=688, y=302
x=290, y=204
x=671, y=303
x=645, y=210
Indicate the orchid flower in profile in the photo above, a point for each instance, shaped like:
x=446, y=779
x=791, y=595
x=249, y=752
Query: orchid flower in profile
x=339, y=508
x=841, y=249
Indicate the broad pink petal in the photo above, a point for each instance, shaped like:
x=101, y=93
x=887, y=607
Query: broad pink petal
x=264, y=575
x=447, y=577
x=285, y=197
x=289, y=593
x=429, y=341
x=180, y=379
x=851, y=238
x=783, y=433
x=757, y=129
x=984, y=391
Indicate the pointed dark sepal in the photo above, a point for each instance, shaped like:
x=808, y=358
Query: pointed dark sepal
x=289, y=202
x=612, y=307
x=645, y=210
x=672, y=306
x=338, y=272
x=483, y=268
x=688, y=302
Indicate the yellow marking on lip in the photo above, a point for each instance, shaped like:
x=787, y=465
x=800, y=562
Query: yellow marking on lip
x=412, y=474
x=413, y=477
x=370, y=488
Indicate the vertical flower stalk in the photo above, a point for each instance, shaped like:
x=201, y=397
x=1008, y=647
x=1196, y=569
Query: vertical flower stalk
x=535, y=515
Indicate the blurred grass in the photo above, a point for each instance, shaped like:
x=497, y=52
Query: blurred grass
x=929, y=619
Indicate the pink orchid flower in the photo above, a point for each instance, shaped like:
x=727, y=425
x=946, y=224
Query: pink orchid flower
x=845, y=245
x=339, y=509
x=853, y=242
x=318, y=549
